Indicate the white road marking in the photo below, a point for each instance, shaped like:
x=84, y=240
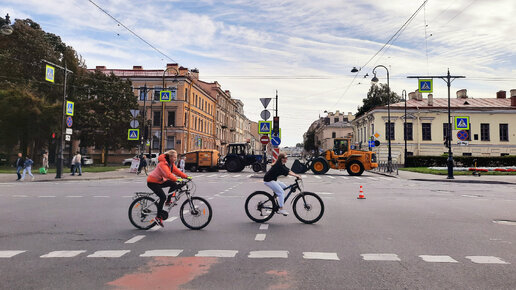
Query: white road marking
x=249, y=175
x=62, y=254
x=108, y=254
x=303, y=176
x=318, y=177
x=20, y=195
x=74, y=196
x=100, y=196
x=238, y=175
x=380, y=257
x=211, y=175
x=161, y=253
x=9, y=254
x=127, y=195
x=468, y=195
x=170, y=219
x=486, y=260
x=260, y=237
x=268, y=254
x=155, y=228
x=210, y=197
x=134, y=239
x=324, y=193
x=357, y=177
x=264, y=226
x=331, y=177
x=47, y=196
x=437, y=259
x=320, y=256
x=217, y=253
x=224, y=175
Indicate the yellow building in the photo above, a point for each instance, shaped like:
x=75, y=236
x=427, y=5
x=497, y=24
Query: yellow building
x=492, y=126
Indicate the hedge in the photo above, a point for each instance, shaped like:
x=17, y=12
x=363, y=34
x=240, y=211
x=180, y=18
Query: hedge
x=461, y=161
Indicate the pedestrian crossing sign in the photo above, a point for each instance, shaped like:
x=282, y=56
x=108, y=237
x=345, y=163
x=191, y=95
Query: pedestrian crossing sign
x=425, y=86
x=69, y=108
x=264, y=127
x=133, y=134
x=165, y=96
x=49, y=73
x=461, y=123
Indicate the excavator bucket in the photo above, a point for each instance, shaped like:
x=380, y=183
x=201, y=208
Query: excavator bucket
x=299, y=167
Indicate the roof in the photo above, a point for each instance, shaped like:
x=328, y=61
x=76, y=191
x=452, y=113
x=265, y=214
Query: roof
x=480, y=103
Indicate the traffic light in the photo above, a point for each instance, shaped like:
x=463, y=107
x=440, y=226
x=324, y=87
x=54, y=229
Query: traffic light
x=53, y=135
x=275, y=125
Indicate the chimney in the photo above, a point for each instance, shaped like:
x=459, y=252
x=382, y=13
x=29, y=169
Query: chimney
x=195, y=73
x=513, y=98
x=419, y=96
x=228, y=93
x=501, y=94
x=183, y=71
x=462, y=94
x=100, y=67
x=430, y=100
x=137, y=67
x=412, y=96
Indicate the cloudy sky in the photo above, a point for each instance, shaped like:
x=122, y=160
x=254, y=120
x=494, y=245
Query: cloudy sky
x=305, y=49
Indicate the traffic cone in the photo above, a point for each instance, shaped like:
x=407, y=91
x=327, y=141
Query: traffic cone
x=361, y=194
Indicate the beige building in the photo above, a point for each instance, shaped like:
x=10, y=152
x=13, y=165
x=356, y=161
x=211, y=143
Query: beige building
x=334, y=125
x=492, y=126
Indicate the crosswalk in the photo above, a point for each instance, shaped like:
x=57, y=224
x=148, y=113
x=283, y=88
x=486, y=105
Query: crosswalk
x=253, y=254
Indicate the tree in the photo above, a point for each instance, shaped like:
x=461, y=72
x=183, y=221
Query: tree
x=103, y=104
x=309, y=144
x=378, y=95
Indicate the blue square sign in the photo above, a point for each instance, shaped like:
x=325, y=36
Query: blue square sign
x=425, y=86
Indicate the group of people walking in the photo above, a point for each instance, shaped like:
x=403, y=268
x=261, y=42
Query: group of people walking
x=24, y=165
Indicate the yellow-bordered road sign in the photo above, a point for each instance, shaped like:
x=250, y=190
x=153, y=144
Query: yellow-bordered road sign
x=133, y=134
x=425, y=86
x=165, y=96
x=69, y=108
x=50, y=73
x=264, y=127
x=461, y=123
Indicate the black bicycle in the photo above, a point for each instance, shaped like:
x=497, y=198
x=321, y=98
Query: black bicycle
x=195, y=212
x=308, y=207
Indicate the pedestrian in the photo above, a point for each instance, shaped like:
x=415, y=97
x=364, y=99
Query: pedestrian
x=27, y=167
x=76, y=161
x=143, y=164
x=19, y=166
x=44, y=162
x=182, y=164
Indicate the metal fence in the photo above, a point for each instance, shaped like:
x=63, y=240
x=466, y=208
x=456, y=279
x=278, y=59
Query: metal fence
x=383, y=167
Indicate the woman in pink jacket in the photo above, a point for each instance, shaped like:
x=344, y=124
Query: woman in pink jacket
x=164, y=175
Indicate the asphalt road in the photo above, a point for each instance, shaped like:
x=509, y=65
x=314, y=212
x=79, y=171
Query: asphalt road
x=405, y=234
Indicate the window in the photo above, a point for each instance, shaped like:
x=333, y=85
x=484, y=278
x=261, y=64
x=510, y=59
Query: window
x=427, y=131
x=156, y=93
x=170, y=142
x=333, y=134
x=142, y=93
x=408, y=131
x=186, y=94
x=157, y=119
x=155, y=142
x=484, y=132
x=504, y=132
x=445, y=130
x=389, y=134
x=467, y=154
x=171, y=119
x=335, y=120
x=504, y=154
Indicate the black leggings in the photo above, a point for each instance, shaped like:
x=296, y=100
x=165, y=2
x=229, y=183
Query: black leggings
x=157, y=189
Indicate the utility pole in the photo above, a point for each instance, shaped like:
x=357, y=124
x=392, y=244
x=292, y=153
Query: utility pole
x=448, y=79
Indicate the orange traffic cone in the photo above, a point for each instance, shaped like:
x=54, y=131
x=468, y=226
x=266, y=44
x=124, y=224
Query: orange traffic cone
x=361, y=194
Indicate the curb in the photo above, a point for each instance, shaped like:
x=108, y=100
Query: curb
x=463, y=181
x=385, y=174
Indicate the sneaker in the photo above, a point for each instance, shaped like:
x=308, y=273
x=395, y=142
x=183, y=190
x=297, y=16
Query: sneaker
x=283, y=212
x=159, y=221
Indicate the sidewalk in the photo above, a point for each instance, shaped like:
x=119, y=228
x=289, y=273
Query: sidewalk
x=118, y=174
x=486, y=179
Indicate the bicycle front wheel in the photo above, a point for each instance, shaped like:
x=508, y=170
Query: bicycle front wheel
x=142, y=211
x=308, y=207
x=195, y=213
x=259, y=206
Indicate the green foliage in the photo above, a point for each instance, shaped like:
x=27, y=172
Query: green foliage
x=378, y=95
x=462, y=161
x=309, y=144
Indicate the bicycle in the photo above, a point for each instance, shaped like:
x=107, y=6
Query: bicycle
x=195, y=212
x=308, y=207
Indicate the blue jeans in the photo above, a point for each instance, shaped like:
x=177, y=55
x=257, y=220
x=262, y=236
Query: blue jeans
x=27, y=169
x=277, y=187
x=18, y=170
x=77, y=167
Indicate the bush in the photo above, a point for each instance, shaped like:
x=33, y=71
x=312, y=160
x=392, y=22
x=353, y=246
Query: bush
x=461, y=161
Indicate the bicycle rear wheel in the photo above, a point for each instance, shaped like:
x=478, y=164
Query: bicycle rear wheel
x=308, y=207
x=142, y=211
x=195, y=213
x=259, y=206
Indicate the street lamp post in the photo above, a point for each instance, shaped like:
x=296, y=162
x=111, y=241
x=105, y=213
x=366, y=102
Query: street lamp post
x=375, y=80
x=162, y=143
x=404, y=95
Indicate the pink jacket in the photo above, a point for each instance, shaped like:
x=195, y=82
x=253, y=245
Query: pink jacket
x=163, y=172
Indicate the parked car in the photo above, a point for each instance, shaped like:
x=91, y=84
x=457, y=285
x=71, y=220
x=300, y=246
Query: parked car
x=128, y=161
x=86, y=160
x=152, y=159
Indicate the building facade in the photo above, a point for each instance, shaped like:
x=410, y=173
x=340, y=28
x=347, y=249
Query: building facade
x=334, y=125
x=492, y=124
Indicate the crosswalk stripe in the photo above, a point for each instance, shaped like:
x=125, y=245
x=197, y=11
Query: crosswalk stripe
x=380, y=257
x=318, y=177
x=161, y=253
x=170, y=219
x=303, y=176
x=9, y=254
x=217, y=253
x=268, y=254
x=74, y=196
x=324, y=193
x=320, y=256
x=100, y=196
x=42, y=196
x=108, y=254
x=211, y=175
x=19, y=195
x=437, y=259
x=238, y=175
x=155, y=228
x=134, y=239
x=249, y=175
x=260, y=237
x=264, y=226
x=331, y=177
x=62, y=254
x=486, y=260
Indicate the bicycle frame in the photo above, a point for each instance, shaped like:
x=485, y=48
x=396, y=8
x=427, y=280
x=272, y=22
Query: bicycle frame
x=292, y=188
